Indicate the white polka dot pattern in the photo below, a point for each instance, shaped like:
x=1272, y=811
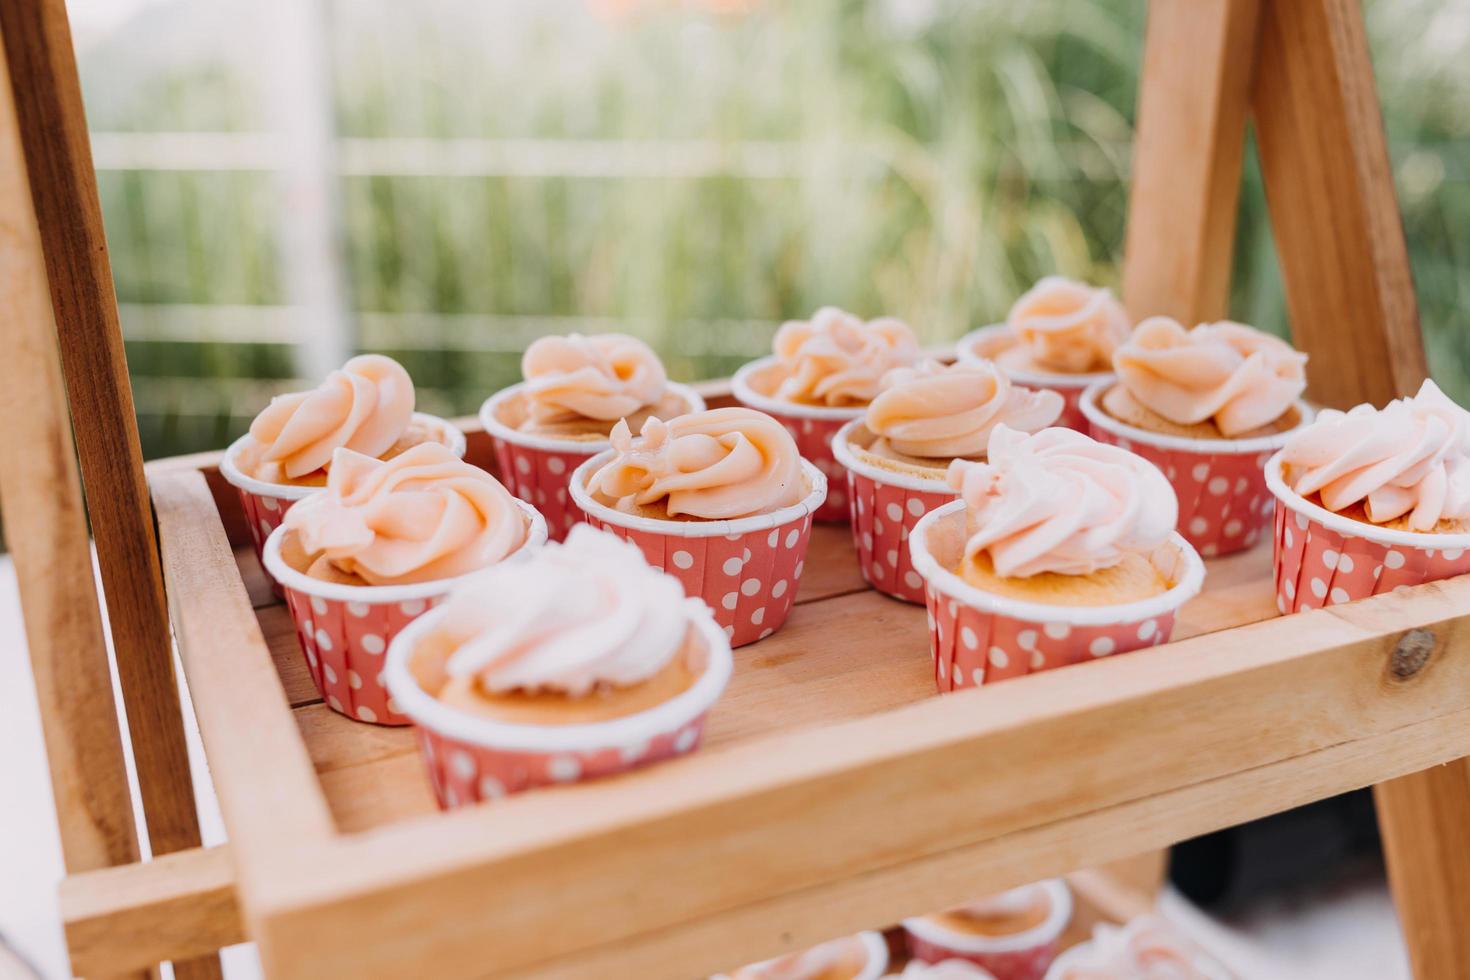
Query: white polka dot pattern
x=1224, y=505
x=881, y=522
x=1317, y=566
x=540, y=477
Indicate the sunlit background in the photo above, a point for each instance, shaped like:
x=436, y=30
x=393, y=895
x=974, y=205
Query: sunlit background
x=286, y=182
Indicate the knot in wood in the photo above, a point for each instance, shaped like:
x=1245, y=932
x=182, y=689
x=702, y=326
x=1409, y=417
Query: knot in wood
x=1411, y=653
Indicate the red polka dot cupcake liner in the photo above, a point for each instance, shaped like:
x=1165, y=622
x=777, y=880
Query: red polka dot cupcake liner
x=265, y=504
x=983, y=344
x=470, y=758
x=538, y=468
x=885, y=507
x=1224, y=505
x=979, y=638
x=746, y=570
x=345, y=630
x=1020, y=956
x=1323, y=559
x=812, y=426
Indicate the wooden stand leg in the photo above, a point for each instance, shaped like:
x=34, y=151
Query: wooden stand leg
x=1333, y=210
x=1194, y=95
x=49, y=125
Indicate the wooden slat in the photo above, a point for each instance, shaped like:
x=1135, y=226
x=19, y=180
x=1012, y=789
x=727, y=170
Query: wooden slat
x=243, y=715
x=177, y=906
x=813, y=808
x=63, y=189
x=1194, y=96
x=1330, y=190
x=46, y=532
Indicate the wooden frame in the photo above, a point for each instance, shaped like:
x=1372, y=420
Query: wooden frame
x=835, y=792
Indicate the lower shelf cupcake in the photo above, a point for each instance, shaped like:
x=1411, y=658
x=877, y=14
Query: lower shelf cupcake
x=1148, y=947
x=860, y=957
x=670, y=490
x=1060, y=550
x=382, y=543
x=579, y=662
x=1014, y=935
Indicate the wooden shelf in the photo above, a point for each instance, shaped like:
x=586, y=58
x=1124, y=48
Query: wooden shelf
x=835, y=791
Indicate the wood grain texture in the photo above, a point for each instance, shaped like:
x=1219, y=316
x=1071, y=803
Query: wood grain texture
x=46, y=532
x=1329, y=186
x=63, y=190
x=1193, y=102
x=815, y=809
x=176, y=906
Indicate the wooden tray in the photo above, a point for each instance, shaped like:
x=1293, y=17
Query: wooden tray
x=836, y=790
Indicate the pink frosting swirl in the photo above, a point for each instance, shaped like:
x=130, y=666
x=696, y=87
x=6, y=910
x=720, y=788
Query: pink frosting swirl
x=1058, y=501
x=365, y=406
x=809, y=964
x=1148, y=948
x=605, y=377
x=423, y=515
x=836, y=359
x=569, y=618
x=937, y=411
x=1069, y=326
x=1235, y=374
x=717, y=464
x=1412, y=457
x=945, y=970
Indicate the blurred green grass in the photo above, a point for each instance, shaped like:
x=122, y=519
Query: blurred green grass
x=928, y=159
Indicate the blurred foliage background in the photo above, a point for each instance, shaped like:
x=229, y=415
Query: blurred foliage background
x=471, y=175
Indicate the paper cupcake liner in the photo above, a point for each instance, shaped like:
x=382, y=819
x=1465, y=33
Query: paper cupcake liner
x=344, y=630
x=1224, y=505
x=537, y=468
x=813, y=427
x=746, y=570
x=470, y=758
x=885, y=506
x=265, y=504
x=971, y=349
x=1322, y=558
x=979, y=638
x=1022, y=956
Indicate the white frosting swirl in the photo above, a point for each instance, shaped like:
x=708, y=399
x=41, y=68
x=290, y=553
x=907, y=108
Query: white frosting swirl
x=836, y=359
x=1148, y=948
x=1410, y=457
x=945, y=970
x=809, y=964
x=570, y=617
x=1058, y=501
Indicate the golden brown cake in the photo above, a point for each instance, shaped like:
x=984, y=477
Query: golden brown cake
x=997, y=918
x=1132, y=579
x=1121, y=405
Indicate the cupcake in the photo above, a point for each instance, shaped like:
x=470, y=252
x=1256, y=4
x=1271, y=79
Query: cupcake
x=1061, y=549
x=1372, y=500
x=575, y=390
x=366, y=406
x=824, y=373
x=1014, y=935
x=719, y=499
x=944, y=970
x=897, y=455
x=1207, y=406
x=1148, y=948
x=383, y=542
x=1059, y=336
x=577, y=662
x=860, y=957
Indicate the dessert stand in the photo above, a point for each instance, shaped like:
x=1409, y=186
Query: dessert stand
x=836, y=792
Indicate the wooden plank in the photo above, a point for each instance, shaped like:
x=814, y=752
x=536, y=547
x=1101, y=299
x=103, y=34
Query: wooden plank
x=1329, y=187
x=755, y=820
x=46, y=532
x=176, y=906
x=267, y=790
x=63, y=188
x=1193, y=99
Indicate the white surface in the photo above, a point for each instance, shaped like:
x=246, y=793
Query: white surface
x=1345, y=933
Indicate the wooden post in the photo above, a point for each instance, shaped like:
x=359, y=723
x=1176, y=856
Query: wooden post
x=1330, y=189
x=1333, y=210
x=49, y=123
x=1194, y=94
